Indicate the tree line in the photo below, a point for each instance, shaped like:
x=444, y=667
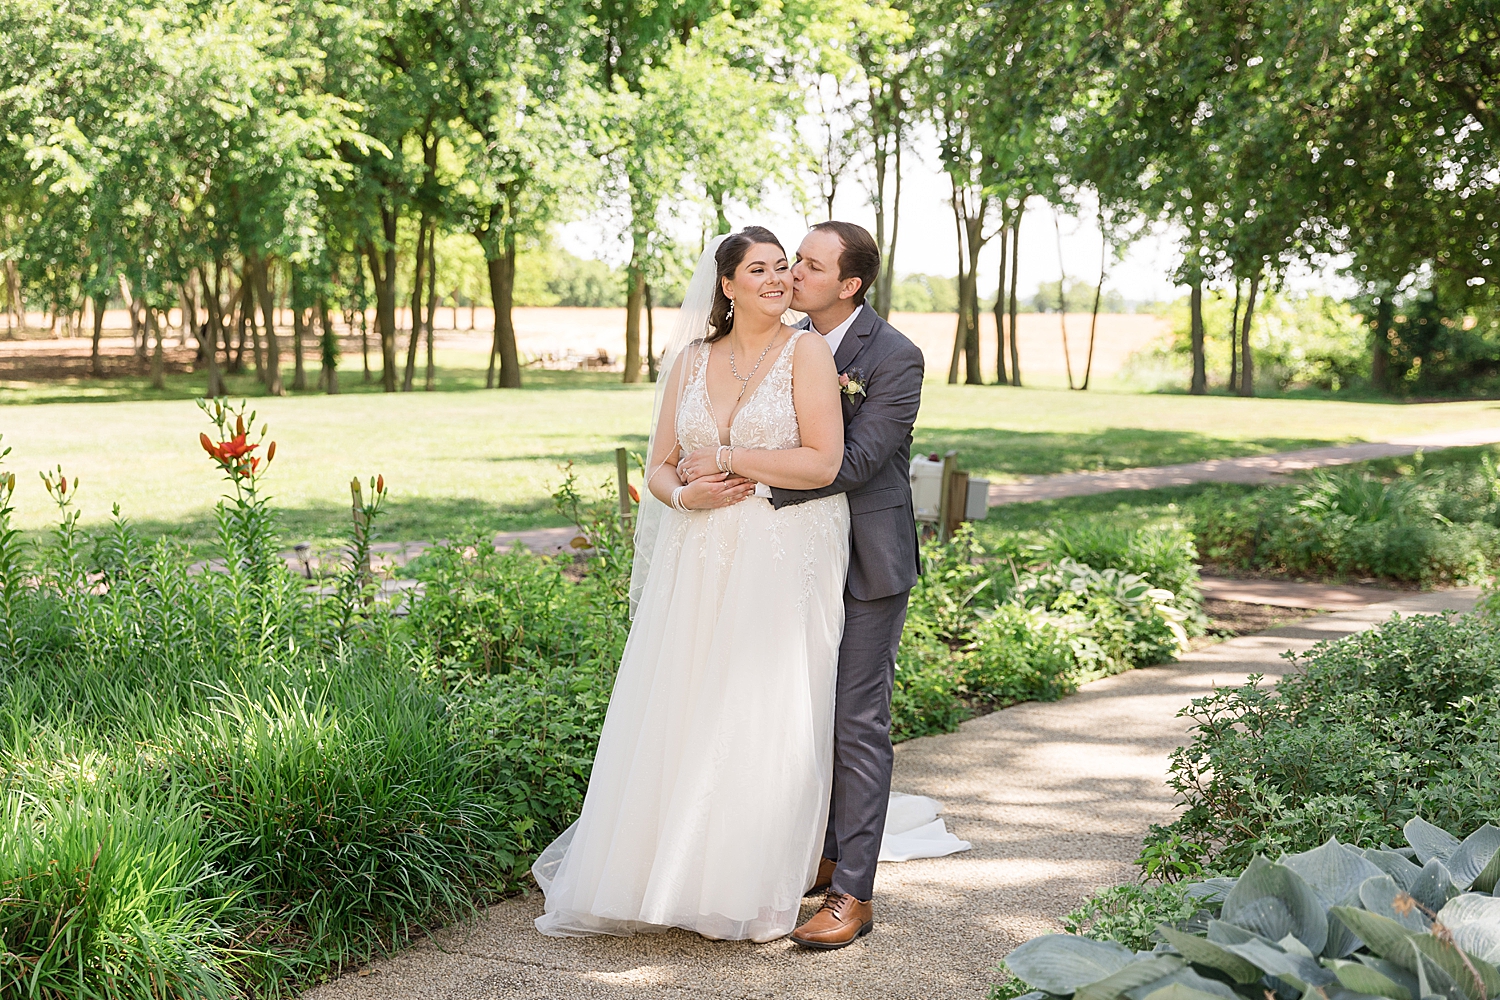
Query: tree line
x=226, y=158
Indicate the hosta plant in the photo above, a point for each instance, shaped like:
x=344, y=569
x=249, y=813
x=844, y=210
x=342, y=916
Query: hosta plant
x=1333, y=923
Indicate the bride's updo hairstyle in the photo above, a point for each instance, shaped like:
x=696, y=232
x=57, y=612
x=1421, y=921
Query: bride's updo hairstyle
x=727, y=259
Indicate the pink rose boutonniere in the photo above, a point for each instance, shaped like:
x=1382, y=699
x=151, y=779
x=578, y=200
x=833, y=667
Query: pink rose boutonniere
x=852, y=383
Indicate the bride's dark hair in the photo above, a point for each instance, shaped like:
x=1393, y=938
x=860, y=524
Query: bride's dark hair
x=726, y=260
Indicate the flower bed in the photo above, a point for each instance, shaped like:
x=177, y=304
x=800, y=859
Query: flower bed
x=233, y=781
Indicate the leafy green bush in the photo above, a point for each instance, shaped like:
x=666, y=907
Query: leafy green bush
x=1414, y=921
x=1432, y=526
x=223, y=781
x=1370, y=730
x=983, y=633
x=227, y=780
x=1129, y=914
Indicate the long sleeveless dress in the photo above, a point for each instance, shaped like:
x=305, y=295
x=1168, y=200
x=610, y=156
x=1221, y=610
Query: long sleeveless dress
x=709, y=795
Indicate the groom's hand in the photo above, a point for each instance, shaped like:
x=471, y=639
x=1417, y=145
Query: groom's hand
x=697, y=464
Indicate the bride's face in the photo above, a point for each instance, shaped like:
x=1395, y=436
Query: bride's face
x=762, y=284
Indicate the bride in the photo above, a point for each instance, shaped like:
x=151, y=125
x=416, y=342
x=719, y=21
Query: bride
x=709, y=795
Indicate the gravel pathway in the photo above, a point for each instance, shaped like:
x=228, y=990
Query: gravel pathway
x=1054, y=797
x=1255, y=469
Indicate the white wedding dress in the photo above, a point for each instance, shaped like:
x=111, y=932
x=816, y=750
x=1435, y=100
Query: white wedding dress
x=709, y=795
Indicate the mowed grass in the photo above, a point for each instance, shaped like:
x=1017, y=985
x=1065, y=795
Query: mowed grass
x=467, y=460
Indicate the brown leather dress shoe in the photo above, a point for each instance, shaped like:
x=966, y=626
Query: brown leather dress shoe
x=841, y=920
x=825, y=877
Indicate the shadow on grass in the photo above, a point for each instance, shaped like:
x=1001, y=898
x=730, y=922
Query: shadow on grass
x=984, y=450
x=191, y=386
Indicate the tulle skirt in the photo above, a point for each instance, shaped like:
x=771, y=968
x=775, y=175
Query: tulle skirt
x=709, y=795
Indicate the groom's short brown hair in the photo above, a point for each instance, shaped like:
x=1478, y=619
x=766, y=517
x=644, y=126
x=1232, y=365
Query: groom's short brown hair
x=860, y=257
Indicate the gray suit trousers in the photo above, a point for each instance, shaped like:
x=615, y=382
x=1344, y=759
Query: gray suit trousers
x=862, y=754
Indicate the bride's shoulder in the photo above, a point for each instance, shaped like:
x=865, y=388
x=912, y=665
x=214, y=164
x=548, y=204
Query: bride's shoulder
x=801, y=344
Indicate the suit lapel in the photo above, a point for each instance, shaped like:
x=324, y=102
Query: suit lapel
x=854, y=338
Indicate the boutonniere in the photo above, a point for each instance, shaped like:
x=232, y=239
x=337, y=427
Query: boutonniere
x=852, y=383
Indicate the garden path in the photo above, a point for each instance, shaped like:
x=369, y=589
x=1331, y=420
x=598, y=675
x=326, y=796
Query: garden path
x=1254, y=469
x=1054, y=797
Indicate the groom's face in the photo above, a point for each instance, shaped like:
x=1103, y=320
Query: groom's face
x=815, y=275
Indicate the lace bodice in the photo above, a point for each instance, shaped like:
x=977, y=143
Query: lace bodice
x=767, y=419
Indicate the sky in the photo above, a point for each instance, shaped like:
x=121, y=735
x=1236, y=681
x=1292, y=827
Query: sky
x=927, y=242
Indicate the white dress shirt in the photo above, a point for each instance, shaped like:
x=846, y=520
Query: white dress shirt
x=833, y=338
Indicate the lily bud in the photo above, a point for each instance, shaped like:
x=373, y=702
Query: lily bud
x=634, y=493
x=271, y=453
x=380, y=484
x=239, y=425
x=208, y=445
x=62, y=486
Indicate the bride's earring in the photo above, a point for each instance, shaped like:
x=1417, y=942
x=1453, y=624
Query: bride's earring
x=730, y=314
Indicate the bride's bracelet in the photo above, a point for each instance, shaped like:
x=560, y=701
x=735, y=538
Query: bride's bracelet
x=724, y=462
x=677, y=503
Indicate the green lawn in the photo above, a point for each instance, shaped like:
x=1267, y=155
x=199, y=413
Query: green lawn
x=466, y=459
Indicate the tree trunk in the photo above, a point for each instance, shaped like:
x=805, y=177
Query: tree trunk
x=15, y=297
x=1000, y=378
x=96, y=363
x=385, y=297
x=975, y=231
x=1247, y=357
x=158, y=361
x=502, y=271
x=960, y=333
x=1380, y=342
x=1062, y=299
x=208, y=339
x=241, y=308
x=887, y=157
x=636, y=275
x=1088, y=365
x=1015, y=268
x=432, y=303
x=1199, y=384
x=651, y=371
x=247, y=272
x=261, y=270
x=1234, y=340
x=364, y=339
x=418, y=276
x=189, y=311
x=299, y=333
x=328, y=353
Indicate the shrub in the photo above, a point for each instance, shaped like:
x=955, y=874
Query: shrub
x=1370, y=730
x=1418, y=920
x=1432, y=526
x=981, y=634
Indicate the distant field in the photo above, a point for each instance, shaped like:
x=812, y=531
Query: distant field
x=469, y=459
x=562, y=331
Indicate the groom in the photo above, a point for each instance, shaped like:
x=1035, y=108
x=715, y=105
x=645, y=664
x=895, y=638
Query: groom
x=880, y=373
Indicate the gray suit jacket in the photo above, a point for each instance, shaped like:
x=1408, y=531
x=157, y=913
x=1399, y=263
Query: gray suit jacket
x=877, y=457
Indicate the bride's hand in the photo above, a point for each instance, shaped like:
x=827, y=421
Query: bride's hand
x=698, y=464
x=717, y=490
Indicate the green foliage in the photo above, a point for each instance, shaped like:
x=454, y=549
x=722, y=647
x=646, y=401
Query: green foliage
x=1400, y=923
x=924, y=293
x=1367, y=732
x=984, y=632
x=1299, y=341
x=1080, y=298
x=555, y=277
x=1129, y=913
x=1428, y=526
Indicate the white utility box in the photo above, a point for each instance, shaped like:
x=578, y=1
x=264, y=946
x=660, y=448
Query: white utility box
x=926, y=487
x=977, y=503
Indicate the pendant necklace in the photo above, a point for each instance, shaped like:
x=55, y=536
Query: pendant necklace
x=745, y=379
